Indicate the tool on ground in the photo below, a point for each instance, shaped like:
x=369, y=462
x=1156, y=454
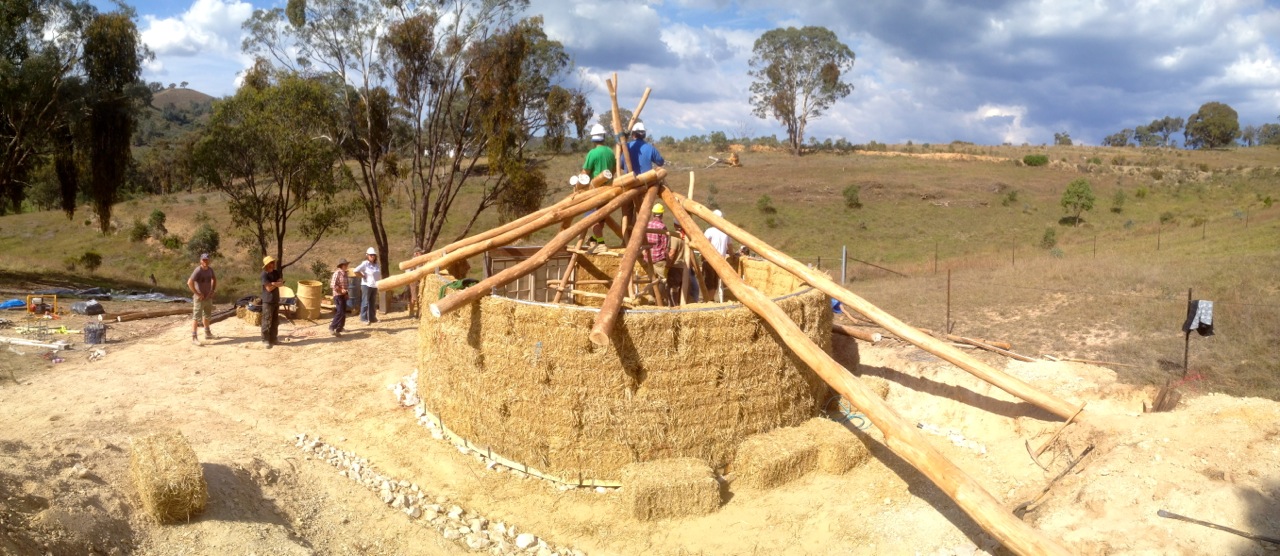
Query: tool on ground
x=1171, y=515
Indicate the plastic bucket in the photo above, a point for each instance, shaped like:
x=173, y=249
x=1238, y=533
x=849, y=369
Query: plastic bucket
x=310, y=295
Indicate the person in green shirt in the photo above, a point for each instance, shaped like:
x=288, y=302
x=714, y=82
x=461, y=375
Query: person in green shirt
x=599, y=159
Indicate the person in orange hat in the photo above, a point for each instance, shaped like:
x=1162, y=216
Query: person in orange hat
x=272, y=279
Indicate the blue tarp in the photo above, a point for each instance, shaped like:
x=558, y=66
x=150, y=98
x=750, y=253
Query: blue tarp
x=104, y=295
x=13, y=304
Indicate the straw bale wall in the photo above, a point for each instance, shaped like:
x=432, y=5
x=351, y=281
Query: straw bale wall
x=524, y=380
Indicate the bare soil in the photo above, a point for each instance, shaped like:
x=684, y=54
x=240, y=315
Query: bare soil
x=66, y=428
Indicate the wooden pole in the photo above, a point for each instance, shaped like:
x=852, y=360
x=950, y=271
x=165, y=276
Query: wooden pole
x=1005, y=382
x=900, y=436
x=493, y=232
x=635, y=116
x=484, y=287
x=612, y=305
x=856, y=333
x=946, y=326
x=468, y=251
x=568, y=270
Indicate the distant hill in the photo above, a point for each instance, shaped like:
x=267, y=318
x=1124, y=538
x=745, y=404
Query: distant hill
x=179, y=98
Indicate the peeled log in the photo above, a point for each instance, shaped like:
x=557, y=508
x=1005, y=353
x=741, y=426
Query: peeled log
x=484, y=287
x=1001, y=380
x=856, y=333
x=900, y=436
x=612, y=304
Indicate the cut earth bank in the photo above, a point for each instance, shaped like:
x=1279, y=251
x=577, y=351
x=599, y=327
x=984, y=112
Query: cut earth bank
x=66, y=429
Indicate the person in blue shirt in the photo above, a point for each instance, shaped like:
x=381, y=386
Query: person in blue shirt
x=643, y=156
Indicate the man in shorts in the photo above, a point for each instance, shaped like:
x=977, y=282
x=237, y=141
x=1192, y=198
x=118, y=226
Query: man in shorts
x=202, y=283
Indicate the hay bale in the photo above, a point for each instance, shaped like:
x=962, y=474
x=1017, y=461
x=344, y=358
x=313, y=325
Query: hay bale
x=839, y=449
x=773, y=458
x=168, y=477
x=252, y=317
x=676, y=487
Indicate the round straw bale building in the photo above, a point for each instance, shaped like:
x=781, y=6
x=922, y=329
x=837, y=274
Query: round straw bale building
x=522, y=380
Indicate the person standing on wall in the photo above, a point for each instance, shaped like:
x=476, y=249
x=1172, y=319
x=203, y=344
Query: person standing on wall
x=272, y=279
x=202, y=283
x=720, y=241
x=642, y=157
x=341, y=292
x=599, y=159
x=369, y=273
x=659, y=246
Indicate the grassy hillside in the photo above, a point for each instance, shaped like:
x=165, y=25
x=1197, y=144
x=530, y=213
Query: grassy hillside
x=1113, y=288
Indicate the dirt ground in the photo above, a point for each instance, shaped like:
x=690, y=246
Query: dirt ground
x=66, y=429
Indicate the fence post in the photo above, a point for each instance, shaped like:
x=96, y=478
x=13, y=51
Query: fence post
x=844, y=263
x=1186, y=347
x=947, y=326
x=935, y=251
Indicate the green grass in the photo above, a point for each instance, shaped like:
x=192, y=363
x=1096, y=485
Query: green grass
x=1124, y=304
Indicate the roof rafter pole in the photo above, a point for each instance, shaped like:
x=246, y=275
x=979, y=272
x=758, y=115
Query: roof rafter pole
x=467, y=251
x=612, y=304
x=485, y=287
x=1001, y=380
x=570, y=199
x=901, y=437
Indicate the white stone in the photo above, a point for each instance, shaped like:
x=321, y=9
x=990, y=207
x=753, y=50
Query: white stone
x=525, y=540
x=499, y=528
x=413, y=511
x=398, y=502
x=451, y=535
x=544, y=551
x=464, y=530
x=476, y=542
x=455, y=512
x=602, y=490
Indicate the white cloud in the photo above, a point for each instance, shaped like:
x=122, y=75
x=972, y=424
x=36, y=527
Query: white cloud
x=209, y=27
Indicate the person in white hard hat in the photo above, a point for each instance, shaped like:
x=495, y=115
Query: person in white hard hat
x=599, y=159
x=643, y=156
x=369, y=273
x=720, y=241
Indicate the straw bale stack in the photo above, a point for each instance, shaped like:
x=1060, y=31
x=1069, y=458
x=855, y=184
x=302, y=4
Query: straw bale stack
x=676, y=487
x=168, y=477
x=524, y=380
x=839, y=449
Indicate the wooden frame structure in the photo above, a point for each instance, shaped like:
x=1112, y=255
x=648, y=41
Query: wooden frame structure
x=621, y=195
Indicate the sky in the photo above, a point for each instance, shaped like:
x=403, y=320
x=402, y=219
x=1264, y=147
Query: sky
x=926, y=71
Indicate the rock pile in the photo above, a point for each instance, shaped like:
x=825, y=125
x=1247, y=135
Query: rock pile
x=463, y=527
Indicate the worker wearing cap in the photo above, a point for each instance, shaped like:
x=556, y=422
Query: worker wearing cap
x=369, y=273
x=272, y=280
x=202, y=283
x=339, y=285
x=599, y=159
x=659, y=243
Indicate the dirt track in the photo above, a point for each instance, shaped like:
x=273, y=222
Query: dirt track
x=65, y=432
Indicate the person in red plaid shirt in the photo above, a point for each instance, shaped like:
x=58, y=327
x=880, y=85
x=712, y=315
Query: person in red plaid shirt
x=339, y=285
x=658, y=242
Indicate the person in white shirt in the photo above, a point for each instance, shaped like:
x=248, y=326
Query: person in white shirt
x=720, y=241
x=369, y=273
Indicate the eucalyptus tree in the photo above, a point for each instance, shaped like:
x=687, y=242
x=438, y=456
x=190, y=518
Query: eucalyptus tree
x=417, y=65
x=798, y=76
x=264, y=149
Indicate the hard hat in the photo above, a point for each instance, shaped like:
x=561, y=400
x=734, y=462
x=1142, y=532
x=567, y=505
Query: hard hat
x=574, y=180
x=267, y=260
x=371, y=251
x=639, y=128
x=717, y=212
x=658, y=208
x=597, y=129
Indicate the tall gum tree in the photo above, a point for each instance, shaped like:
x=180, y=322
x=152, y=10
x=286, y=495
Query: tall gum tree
x=798, y=76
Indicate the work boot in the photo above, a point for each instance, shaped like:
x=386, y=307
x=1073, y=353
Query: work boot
x=195, y=340
x=208, y=334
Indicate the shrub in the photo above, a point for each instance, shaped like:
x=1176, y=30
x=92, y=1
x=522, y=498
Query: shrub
x=1156, y=174
x=1167, y=217
x=156, y=223
x=1141, y=193
x=851, y=197
x=1035, y=159
x=139, y=231
x=1117, y=201
x=1009, y=198
x=1050, y=238
x=320, y=270
x=172, y=242
x=1128, y=224
x=765, y=204
x=1096, y=161
x=771, y=222
x=91, y=261
x=70, y=263
x=1057, y=253
x=204, y=240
